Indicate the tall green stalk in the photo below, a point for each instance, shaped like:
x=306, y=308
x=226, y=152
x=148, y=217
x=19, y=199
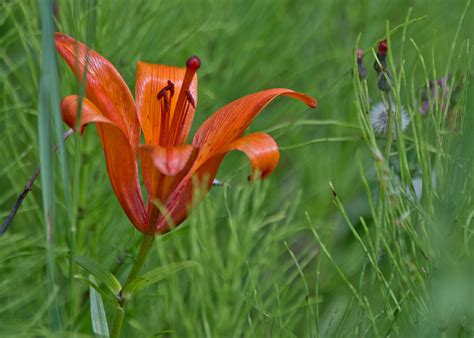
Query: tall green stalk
x=48, y=109
x=146, y=245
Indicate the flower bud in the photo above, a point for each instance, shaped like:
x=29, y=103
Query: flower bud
x=361, y=69
x=381, y=63
x=385, y=80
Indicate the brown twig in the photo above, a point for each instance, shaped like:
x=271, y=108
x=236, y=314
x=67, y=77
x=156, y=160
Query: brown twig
x=26, y=190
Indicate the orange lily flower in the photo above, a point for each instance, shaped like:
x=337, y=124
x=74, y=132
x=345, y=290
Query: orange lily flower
x=164, y=106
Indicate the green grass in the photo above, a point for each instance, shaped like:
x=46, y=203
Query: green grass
x=335, y=243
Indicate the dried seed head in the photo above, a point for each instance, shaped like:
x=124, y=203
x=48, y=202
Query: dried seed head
x=379, y=116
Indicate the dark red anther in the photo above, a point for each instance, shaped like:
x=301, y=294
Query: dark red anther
x=171, y=87
x=190, y=99
x=383, y=47
x=166, y=101
x=193, y=63
x=162, y=95
x=360, y=54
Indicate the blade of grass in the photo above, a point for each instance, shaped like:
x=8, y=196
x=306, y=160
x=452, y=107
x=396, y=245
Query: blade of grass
x=46, y=105
x=98, y=318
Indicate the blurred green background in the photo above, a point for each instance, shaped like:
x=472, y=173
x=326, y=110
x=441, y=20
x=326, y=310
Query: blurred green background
x=262, y=270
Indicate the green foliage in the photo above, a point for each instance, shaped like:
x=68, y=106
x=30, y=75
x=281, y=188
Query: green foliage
x=154, y=276
x=98, y=317
x=100, y=272
x=355, y=234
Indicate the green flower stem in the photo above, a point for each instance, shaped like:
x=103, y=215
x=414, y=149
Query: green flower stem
x=118, y=320
x=147, y=243
x=390, y=125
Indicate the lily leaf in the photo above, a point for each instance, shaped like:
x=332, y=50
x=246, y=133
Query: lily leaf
x=101, y=273
x=98, y=318
x=154, y=276
x=105, y=294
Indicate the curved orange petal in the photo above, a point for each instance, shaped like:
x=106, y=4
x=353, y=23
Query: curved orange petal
x=150, y=80
x=260, y=148
x=89, y=113
x=119, y=156
x=229, y=122
x=105, y=87
x=219, y=135
x=160, y=165
x=169, y=161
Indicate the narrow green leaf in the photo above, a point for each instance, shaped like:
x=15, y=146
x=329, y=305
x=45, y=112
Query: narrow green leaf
x=105, y=294
x=100, y=272
x=154, y=276
x=98, y=318
x=45, y=105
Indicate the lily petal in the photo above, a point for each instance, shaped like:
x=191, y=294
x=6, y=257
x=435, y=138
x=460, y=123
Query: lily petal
x=119, y=156
x=218, y=135
x=177, y=206
x=105, y=87
x=169, y=161
x=262, y=151
x=153, y=117
x=260, y=148
x=160, y=165
x=229, y=122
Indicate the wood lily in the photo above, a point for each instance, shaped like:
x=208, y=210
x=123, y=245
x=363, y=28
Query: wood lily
x=163, y=109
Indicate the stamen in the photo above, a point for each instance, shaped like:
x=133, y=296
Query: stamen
x=171, y=88
x=165, y=109
x=190, y=98
x=181, y=109
x=162, y=94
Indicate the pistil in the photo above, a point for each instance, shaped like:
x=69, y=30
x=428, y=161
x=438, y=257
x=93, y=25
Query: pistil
x=185, y=100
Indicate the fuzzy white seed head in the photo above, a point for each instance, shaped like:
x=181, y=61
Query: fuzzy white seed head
x=379, y=118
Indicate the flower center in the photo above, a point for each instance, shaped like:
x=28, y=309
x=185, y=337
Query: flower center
x=174, y=135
